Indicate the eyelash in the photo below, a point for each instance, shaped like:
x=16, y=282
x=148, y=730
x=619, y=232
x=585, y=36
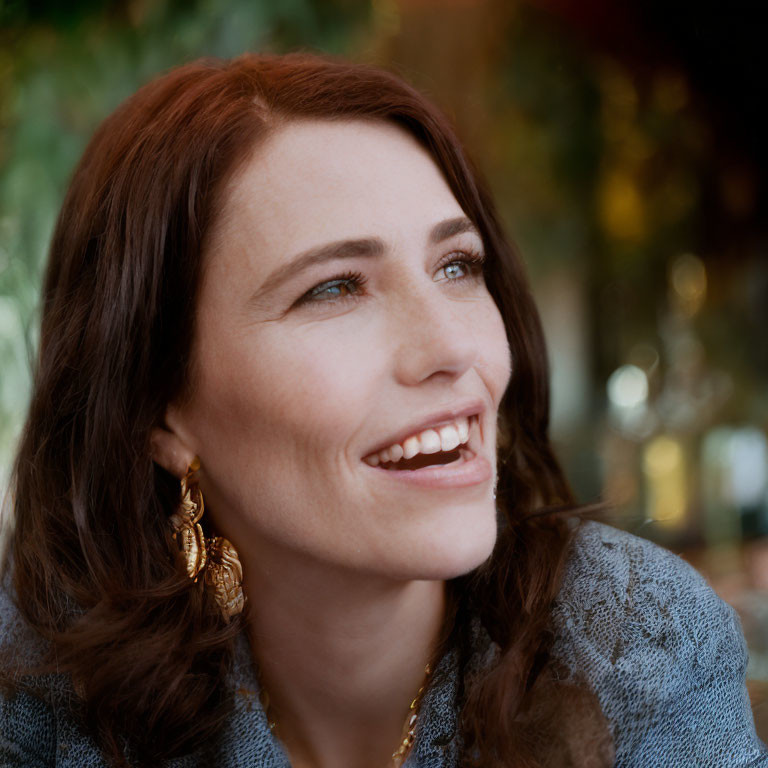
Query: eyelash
x=473, y=260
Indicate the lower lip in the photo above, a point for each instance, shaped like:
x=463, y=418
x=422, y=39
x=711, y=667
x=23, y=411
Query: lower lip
x=471, y=471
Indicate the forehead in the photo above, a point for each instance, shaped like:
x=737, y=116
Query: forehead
x=322, y=180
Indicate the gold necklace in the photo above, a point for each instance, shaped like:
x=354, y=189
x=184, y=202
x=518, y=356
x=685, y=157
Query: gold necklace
x=409, y=729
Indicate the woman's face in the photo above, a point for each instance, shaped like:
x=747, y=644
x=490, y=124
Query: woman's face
x=303, y=371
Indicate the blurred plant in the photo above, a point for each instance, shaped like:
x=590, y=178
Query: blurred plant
x=63, y=68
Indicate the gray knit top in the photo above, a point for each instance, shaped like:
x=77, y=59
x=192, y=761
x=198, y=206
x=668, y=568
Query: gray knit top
x=665, y=656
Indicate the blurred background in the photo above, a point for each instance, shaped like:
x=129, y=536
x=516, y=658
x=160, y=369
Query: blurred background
x=625, y=144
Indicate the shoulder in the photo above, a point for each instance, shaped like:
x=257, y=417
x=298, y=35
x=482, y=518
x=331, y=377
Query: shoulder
x=627, y=604
x=27, y=723
x=20, y=645
x=40, y=731
x=37, y=729
x=616, y=574
x=664, y=654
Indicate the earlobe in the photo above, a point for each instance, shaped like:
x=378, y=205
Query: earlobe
x=170, y=452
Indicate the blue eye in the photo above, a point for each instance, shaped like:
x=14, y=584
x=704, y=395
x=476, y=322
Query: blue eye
x=468, y=267
x=336, y=289
x=454, y=266
x=349, y=285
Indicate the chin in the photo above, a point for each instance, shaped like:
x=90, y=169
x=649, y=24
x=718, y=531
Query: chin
x=454, y=547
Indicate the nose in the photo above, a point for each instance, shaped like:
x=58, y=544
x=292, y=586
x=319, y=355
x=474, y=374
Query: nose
x=434, y=336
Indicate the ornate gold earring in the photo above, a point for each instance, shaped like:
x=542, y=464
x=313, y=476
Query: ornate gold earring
x=187, y=530
x=225, y=576
x=223, y=571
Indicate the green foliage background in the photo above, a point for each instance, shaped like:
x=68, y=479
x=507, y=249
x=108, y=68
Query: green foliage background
x=63, y=68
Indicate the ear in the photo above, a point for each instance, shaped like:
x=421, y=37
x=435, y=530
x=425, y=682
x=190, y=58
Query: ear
x=170, y=451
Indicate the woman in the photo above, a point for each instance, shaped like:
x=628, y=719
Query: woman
x=286, y=469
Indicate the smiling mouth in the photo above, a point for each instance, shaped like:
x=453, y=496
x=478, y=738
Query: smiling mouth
x=421, y=460
x=440, y=447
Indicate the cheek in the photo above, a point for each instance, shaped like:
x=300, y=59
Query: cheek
x=495, y=356
x=290, y=392
x=271, y=419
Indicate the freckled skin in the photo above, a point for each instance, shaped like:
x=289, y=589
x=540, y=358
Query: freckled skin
x=290, y=398
x=343, y=569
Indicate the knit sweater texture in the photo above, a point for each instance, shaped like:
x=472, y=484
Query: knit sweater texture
x=665, y=656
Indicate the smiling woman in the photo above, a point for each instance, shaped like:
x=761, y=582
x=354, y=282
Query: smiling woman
x=285, y=494
x=411, y=340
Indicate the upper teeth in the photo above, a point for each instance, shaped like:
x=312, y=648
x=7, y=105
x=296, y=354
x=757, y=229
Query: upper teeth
x=444, y=438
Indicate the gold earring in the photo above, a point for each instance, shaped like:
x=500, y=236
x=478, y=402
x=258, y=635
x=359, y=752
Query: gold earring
x=187, y=530
x=225, y=576
x=223, y=571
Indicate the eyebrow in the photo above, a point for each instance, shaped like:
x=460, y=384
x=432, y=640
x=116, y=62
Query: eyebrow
x=342, y=249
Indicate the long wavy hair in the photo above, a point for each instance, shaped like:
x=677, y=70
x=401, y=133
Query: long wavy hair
x=90, y=551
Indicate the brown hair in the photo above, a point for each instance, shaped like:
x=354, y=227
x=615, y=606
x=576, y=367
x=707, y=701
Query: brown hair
x=90, y=551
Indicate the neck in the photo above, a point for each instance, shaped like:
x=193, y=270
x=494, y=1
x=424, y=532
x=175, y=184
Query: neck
x=341, y=656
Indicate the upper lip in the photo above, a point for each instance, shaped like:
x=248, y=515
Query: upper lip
x=435, y=420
